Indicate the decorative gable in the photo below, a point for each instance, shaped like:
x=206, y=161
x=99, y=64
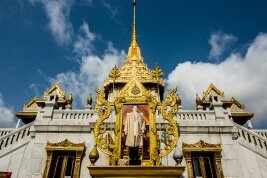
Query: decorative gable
x=55, y=90
x=236, y=106
x=134, y=89
x=213, y=90
x=31, y=105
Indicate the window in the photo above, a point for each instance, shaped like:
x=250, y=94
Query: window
x=203, y=165
x=203, y=160
x=63, y=159
x=62, y=164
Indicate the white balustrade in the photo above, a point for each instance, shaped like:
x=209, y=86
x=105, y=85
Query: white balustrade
x=194, y=115
x=5, y=131
x=15, y=136
x=73, y=114
x=262, y=133
x=251, y=137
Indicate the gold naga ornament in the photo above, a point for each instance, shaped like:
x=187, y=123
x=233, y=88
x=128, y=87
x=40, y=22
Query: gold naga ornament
x=168, y=109
x=103, y=109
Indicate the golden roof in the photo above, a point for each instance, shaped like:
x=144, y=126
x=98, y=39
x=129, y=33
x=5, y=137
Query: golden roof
x=55, y=89
x=134, y=65
x=236, y=106
x=212, y=89
x=31, y=105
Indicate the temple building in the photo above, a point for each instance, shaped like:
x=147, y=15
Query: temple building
x=132, y=130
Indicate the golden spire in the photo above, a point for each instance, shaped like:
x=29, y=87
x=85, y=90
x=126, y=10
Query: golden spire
x=134, y=50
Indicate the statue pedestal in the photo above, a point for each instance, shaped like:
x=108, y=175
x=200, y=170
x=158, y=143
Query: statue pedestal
x=135, y=171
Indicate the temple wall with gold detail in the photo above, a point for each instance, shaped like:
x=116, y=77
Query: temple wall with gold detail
x=131, y=130
x=25, y=151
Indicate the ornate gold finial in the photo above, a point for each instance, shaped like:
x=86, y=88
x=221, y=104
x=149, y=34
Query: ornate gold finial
x=69, y=100
x=114, y=73
x=134, y=50
x=157, y=72
x=93, y=155
x=198, y=100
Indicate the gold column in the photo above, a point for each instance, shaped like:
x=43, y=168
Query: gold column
x=48, y=163
x=189, y=165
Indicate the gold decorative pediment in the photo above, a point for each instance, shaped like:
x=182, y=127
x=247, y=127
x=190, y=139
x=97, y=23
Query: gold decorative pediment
x=31, y=105
x=55, y=89
x=201, y=146
x=236, y=106
x=134, y=89
x=212, y=89
x=65, y=145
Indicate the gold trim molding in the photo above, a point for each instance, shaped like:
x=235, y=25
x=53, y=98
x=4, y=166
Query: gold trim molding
x=135, y=171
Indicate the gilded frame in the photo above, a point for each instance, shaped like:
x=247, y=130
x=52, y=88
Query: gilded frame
x=65, y=145
x=202, y=146
x=134, y=93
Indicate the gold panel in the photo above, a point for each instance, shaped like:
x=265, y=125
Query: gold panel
x=202, y=146
x=65, y=145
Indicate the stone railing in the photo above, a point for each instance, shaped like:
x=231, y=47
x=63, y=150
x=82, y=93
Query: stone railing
x=73, y=114
x=15, y=136
x=195, y=115
x=252, y=140
x=5, y=131
x=262, y=133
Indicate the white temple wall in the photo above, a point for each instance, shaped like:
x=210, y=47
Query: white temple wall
x=253, y=164
x=31, y=158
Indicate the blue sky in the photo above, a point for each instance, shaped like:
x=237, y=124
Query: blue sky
x=77, y=42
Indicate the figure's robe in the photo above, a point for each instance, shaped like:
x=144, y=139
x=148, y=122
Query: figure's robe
x=134, y=129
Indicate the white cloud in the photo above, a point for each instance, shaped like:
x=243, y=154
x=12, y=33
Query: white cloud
x=111, y=10
x=6, y=115
x=58, y=12
x=93, y=71
x=241, y=77
x=84, y=43
x=219, y=42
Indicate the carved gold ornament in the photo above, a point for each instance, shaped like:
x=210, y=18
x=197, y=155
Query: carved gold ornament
x=157, y=73
x=103, y=110
x=135, y=90
x=168, y=109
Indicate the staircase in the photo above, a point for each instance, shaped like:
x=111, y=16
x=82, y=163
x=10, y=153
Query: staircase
x=252, y=140
x=13, y=138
